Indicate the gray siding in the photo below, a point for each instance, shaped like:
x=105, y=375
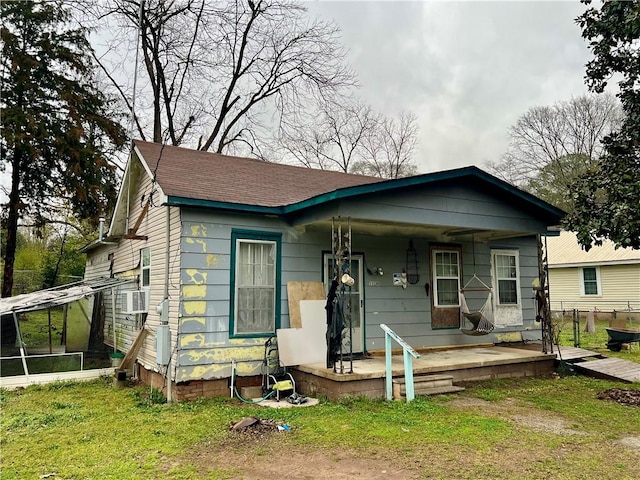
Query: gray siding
x=452, y=206
x=205, y=349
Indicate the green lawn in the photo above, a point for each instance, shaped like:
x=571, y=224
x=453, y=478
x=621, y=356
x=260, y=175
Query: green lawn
x=534, y=428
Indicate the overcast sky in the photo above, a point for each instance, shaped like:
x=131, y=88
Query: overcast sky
x=466, y=69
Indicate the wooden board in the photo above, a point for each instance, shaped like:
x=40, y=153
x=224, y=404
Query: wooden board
x=297, y=291
x=130, y=357
x=611, y=368
x=572, y=353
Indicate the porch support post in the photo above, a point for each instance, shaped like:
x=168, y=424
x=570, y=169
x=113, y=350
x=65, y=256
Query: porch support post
x=388, y=371
x=408, y=375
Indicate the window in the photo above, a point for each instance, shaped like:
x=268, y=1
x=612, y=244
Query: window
x=506, y=275
x=145, y=267
x=255, y=283
x=446, y=281
x=590, y=281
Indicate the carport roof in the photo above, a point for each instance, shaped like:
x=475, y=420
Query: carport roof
x=55, y=296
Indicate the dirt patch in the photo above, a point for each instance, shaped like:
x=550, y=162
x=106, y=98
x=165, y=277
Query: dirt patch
x=520, y=415
x=623, y=396
x=268, y=457
x=268, y=438
x=631, y=442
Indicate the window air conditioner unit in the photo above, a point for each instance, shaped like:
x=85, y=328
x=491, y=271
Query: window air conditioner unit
x=134, y=301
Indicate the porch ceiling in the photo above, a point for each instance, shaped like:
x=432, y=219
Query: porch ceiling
x=442, y=233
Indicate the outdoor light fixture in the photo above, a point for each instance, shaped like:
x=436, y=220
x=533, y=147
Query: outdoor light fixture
x=375, y=271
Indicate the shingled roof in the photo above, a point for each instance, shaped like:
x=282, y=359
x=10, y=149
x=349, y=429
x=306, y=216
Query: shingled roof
x=193, y=174
x=210, y=180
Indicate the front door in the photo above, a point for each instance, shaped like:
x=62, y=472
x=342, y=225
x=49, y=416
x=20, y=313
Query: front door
x=445, y=285
x=353, y=303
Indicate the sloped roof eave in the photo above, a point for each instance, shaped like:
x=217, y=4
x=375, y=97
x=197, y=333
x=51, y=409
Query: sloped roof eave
x=600, y=263
x=553, y=214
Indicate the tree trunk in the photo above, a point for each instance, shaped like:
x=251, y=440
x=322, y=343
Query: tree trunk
x=8, y=332
x=12, y=226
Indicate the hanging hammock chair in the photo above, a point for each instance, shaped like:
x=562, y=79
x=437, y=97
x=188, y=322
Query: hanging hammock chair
x=481, y=320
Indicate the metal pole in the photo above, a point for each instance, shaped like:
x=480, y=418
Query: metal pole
x=113, y=317
x=348, y=245
x=387, y=364
x=21, y=343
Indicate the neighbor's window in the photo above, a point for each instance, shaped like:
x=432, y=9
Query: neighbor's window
x=145, y=267
x=590, y=284
x=255, y=291
x=506, y=275
x=446, y=280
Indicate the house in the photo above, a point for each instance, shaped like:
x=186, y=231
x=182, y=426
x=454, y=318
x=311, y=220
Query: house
x=603, y=279
x=213, y=241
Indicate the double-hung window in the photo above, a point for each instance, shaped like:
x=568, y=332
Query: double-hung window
x=590, y=281
x=255, y=283
x=145, y=267
x=506, y=275
x=446, y=282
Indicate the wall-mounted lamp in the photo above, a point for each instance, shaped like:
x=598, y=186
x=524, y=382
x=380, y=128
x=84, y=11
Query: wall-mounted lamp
x=375, y=271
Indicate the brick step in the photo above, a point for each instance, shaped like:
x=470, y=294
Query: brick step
x=426, y=385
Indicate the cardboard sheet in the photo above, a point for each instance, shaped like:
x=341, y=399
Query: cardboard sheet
x=297, y=291
x=306, y=345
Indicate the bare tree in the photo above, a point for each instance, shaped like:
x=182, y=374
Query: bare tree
x=351, y=137
x=557, y=142
x=389, y=148
x=224, y=74
x=332, y=136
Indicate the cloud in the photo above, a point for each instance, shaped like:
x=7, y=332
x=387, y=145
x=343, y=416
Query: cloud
x=468, y=70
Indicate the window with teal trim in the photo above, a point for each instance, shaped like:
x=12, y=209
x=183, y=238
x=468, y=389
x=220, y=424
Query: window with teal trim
x=255, y=283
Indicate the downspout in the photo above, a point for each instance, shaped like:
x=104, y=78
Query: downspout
x=113, y=317
x=166, y=295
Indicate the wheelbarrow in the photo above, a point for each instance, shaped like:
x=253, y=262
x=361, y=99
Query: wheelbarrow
x=620, y=336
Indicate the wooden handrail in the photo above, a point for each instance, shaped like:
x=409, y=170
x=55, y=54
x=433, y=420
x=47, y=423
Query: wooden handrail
x=408, y=354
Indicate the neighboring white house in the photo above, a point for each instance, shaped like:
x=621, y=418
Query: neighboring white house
x=604, y=278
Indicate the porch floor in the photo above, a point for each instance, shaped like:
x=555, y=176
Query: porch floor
x=463, y=364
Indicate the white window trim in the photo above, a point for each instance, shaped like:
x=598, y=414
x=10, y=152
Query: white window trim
x=435, y=277
x=581, y=282
x=143, y=268
x=494, y=275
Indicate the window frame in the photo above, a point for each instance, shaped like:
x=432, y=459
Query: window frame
x=252, y=236
x=144, y=268
x=494, y=270
x=597, y=281
x=435, y=279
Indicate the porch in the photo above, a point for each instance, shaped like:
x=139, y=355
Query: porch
x=367, y=376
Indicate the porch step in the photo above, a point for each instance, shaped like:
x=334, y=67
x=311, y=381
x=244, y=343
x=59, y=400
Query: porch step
x=426, y=385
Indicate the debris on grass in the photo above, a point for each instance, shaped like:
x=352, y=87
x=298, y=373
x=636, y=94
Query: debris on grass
x=622, y=396
x=257, y=426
